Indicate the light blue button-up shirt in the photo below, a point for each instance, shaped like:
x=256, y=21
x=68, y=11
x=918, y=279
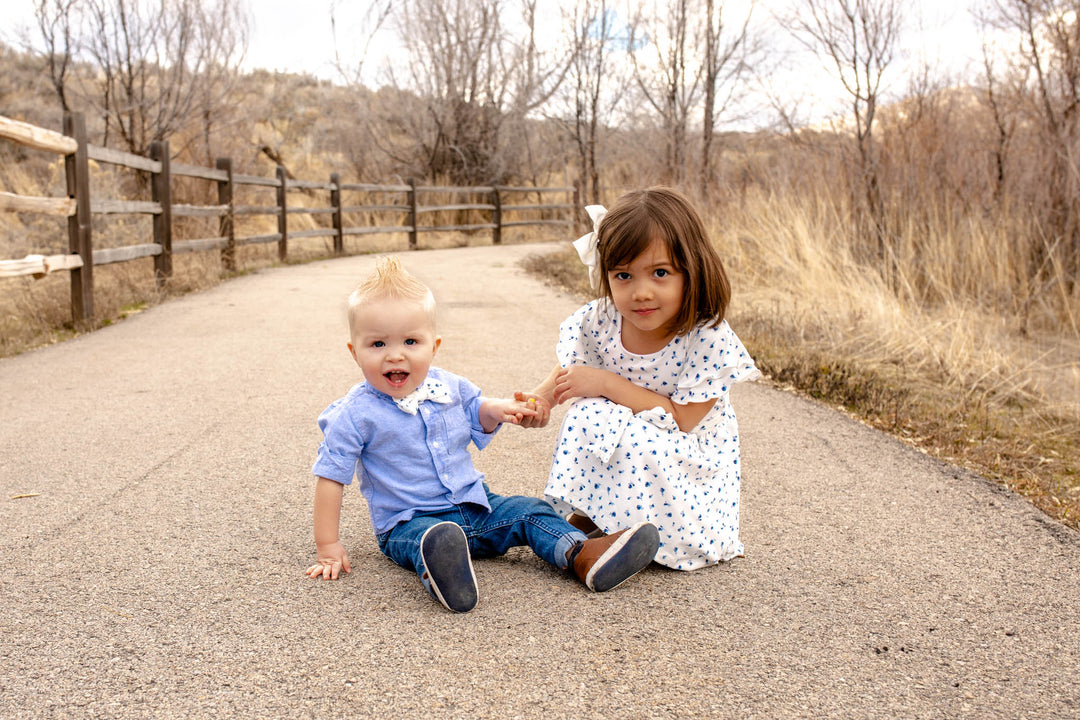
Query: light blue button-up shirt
x=406, y=463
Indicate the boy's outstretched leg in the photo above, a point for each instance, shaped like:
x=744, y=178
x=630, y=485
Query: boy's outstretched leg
x=605, y=562
x=444, y=551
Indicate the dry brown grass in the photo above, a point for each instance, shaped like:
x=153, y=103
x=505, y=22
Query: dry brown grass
x=955, y=377
x=38, y=312
x=961, y=359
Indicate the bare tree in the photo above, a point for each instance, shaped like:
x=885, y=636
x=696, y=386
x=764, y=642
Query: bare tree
x=595, y=87
x=352, y=70
x=725, y=63
x=1004, y=121
x=475, y=66
x=1047, y=72
x=689, y=58
x=224, y=29
x=858, y=39
x=667, y=76
x=55, y=21
x=536, y=74
x=537, y=71
x=156, y=61
x=456, y=64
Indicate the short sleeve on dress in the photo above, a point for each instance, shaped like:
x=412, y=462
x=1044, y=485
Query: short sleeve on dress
x=715, y=360
x=580, y=335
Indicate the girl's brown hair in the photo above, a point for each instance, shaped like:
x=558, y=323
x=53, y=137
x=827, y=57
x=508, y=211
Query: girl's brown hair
x=639, y=217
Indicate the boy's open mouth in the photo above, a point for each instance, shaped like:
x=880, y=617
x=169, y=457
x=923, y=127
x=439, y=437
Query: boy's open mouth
x=396, y=378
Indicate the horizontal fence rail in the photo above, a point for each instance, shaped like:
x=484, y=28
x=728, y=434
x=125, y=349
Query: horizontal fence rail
x=79, y=208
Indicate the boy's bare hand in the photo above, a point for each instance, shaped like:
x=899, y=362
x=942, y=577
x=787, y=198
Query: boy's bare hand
x=329, y=563
x=539, y=404
x=504, y=410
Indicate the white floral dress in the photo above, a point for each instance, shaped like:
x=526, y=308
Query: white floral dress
x=620, y=468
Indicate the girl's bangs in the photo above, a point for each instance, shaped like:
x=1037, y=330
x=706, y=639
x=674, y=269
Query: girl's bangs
x=627, y=243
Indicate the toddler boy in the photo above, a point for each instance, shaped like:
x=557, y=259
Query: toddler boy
x=404, y=432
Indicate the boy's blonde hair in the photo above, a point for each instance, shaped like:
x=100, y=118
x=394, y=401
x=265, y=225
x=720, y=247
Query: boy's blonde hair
x=391, y=280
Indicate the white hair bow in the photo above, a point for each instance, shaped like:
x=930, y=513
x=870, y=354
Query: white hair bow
x=586, y=244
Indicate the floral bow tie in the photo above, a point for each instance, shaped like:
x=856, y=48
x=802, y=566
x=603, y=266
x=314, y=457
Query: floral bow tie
x=586, y=244
x=430, y=389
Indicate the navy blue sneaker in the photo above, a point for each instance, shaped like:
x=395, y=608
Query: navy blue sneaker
x=444, y=550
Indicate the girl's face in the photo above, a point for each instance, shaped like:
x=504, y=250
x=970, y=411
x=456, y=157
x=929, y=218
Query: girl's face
x=648, y=293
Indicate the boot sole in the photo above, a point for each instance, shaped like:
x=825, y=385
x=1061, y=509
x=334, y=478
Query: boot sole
x=628, y=556
x=445, y=552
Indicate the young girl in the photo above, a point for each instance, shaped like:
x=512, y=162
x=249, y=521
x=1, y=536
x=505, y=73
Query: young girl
x=653, y=436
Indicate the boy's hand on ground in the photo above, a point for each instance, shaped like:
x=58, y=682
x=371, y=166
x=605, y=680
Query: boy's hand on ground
x=537, y=403
x=330, y=561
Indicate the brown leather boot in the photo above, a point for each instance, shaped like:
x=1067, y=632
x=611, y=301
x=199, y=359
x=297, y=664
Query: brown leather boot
x=584, y=524
x=605, y=562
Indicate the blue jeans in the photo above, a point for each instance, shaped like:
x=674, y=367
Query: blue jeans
x=514, y=520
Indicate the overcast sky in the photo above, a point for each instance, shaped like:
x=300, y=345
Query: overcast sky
x=296, y=36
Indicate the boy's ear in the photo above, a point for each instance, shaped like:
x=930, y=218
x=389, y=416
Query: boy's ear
x=438, y=342
x=352, y=351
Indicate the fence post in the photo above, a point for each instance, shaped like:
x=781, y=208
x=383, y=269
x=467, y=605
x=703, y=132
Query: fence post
x=283, y=213
x=335, y=202
x=412, y=213
x=161, y=193
x=575, y=211
x=228, y=227
x=496, y=216
x=77, y=171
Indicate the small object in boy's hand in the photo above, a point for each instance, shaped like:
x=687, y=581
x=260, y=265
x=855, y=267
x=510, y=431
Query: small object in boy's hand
x=532, y=401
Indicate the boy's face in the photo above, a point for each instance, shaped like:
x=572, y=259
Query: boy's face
x=393, y=342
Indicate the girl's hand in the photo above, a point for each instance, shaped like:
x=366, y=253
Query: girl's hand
x=580, y=381
x=330, y=561
x=538, y=403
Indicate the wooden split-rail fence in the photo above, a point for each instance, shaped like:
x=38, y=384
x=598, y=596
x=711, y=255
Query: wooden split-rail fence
x=78, y=207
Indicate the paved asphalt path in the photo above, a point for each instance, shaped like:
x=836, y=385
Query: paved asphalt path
x=157, y=569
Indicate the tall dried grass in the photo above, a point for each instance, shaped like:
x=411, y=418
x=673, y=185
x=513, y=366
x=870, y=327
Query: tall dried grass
x=957, y=351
